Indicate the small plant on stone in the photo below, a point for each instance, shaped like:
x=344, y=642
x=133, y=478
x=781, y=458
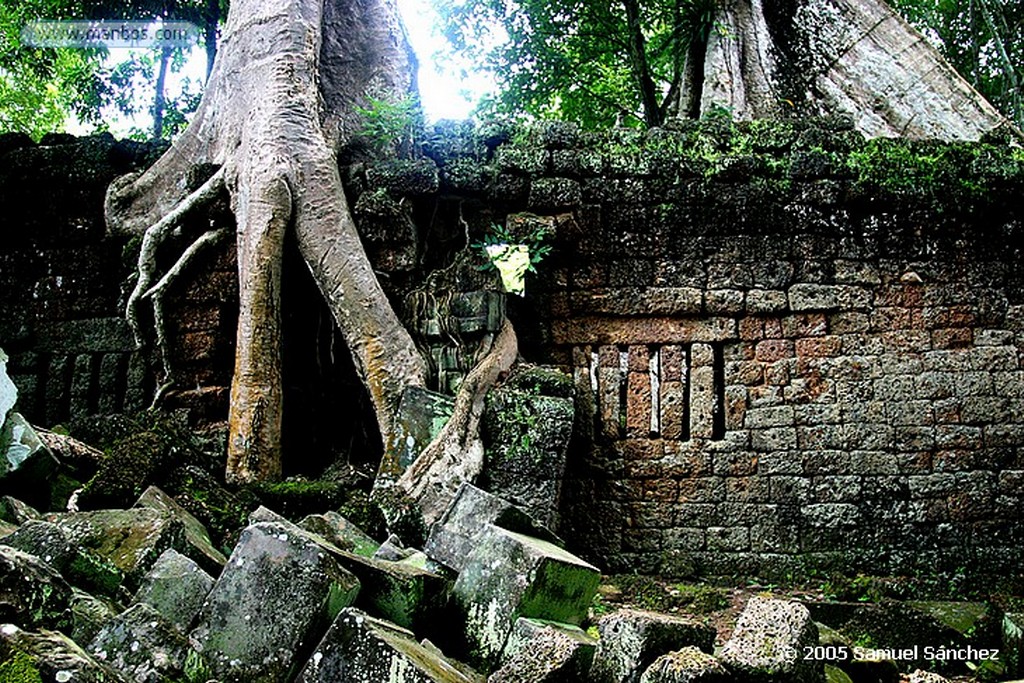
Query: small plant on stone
x=513, y=256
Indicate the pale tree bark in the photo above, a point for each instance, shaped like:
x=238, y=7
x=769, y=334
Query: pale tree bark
x=778, y=58
x=282, y=97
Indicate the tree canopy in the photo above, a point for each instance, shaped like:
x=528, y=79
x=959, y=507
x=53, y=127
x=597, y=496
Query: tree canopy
x=627, y=61
x=42, y=88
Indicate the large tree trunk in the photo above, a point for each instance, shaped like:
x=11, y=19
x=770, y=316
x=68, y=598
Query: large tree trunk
x=775, y=58
x=282, y=96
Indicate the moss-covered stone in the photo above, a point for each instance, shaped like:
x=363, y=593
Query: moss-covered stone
x=508, y=576
x=32, y=593
x=131, y=540
x=631, y=640
x=51, y=657
x=198, y=545
x=362, y=649
x=275, y=598
x=175, y=587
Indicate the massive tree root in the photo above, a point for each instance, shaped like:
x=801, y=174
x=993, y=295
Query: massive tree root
x=281, y=99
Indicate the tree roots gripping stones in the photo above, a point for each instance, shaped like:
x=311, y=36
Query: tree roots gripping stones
x=283, y=97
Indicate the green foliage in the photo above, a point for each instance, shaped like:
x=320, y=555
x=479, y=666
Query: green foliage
x=572, y=60
x=41, y=89
x=499, y=248
x=391, y=126
x=901, y=167
x=649, y=593
x=19, y=668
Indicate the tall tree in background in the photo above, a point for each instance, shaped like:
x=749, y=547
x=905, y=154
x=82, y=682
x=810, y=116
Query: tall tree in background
x=983, y=40
x=41, y=88
x=598, y=63
x=640, y=61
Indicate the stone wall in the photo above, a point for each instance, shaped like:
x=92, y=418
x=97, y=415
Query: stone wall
x=794, y=350
x=804, y=355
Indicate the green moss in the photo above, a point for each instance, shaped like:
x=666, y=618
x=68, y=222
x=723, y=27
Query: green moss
x=20, y=668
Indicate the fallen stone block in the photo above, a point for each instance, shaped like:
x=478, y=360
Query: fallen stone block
x=508, y=576
x=361, y=649
x=392, y=550
x=175, y=587
x=32, y=593
x=341, y=532
x=632, y=639
x=16, y=512
x=526, y=429
x=408, y=596
x=455, y=535
x=900, y=626
x=142, y=645
x=688, y=665
x=131, y=540
x=277, y=595
x=545, y=652
x=55, y=546
x=49, y=656
x=198, y=545
x=768, y=643
x=864, y=668
x=89, y=614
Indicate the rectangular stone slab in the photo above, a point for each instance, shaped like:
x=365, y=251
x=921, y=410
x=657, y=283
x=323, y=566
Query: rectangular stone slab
x=508, y=576
x=361, y=649
x=278, y=593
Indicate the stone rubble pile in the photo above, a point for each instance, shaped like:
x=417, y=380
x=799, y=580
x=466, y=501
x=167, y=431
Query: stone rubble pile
x=126, y=595
x=143, y=595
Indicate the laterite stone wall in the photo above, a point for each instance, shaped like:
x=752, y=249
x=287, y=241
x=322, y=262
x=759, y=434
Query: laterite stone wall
x=794, y=350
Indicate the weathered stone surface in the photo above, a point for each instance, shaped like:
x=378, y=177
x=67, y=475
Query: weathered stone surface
x=16, y=512
x=131, y=540
x=768, y=643
x=142, y=645
x=392, y=550
x=341, y=532
x=175, y=587
x=632, y=639
x=58, y=548
x=198, y=545
x=421, y=415
x=408, y=596
x=545, y=652
x=688, y=665
x=526, y=435
x=32, y=594
x=22, y=454
x=51, y=657
x=89, y=614
x=454, y=536
x=277, y=595
x=361, y=649
x=509, y=575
